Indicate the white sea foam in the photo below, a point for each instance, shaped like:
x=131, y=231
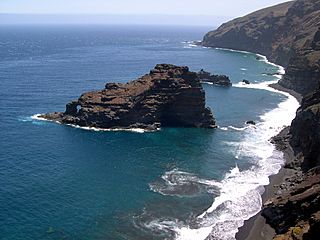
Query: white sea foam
x=136, y=130
x=243, y=69
x=233, y=50
x=262, y=58
x=241, y=190
x=238, y=128
x=223, y=128
x=192, y=44
x=235, y=128
x=210, y=83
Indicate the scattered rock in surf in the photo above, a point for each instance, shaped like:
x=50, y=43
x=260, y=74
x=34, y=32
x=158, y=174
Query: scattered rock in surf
x=169, y=96
x=272, y=74
x=221, y=80
x=251, y=122
x=246, y=81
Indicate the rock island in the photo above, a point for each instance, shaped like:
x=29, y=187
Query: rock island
x=169, y=96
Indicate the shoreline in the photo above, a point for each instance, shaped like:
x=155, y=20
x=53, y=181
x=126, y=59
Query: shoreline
x=95, y=129
x=278, y=87
x=256, y=227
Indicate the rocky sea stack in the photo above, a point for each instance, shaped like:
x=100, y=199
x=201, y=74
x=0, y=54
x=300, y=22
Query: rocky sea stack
x=289, y=35
x=169, y=96
x=220, y=80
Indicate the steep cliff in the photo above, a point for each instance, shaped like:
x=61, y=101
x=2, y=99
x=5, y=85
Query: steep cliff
x=289, y=34
x=169, y=96
x=286, y=33
x=305, y=131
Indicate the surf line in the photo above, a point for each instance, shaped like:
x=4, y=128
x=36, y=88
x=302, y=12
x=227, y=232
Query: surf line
x=244, y=188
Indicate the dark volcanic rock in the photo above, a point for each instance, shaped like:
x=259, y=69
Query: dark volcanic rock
x=296, y=206
x=250, y=122
x=287, y=34
x=303, y=72
x=170, y=96
x=245, y=81
x=221, y=80
x=305, y=131
x=257, y=32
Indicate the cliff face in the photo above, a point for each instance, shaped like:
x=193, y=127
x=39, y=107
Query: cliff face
x=287, y=34
x=305, y=131
x=257, y=32
x=169, y=96
x=303, y=72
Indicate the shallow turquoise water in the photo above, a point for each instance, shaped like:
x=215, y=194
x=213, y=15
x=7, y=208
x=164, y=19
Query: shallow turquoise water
x=59, y=182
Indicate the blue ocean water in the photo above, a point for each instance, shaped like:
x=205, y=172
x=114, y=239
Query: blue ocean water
x=59, y=182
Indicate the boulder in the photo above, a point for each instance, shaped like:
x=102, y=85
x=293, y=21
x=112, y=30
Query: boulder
x=245, y=81
x=251, y=122
x=221, y=80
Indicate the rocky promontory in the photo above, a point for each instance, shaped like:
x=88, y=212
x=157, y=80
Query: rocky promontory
x=288, y=34
x=169, y=96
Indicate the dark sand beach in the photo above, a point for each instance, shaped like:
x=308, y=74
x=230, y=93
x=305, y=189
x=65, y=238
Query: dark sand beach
x=256, y=227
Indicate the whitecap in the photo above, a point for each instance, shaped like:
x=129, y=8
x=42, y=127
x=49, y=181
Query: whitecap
x=180, y=183
x=238, y=128
x=233, y=50
x=223, y=128
x=241, y=190
x=135, y=130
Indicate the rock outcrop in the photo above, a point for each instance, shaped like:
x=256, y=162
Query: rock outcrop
x=288, y=34
x=257, y=32
x=169, y=96
x=221, y=80
x=295, y=213
x=303, y=72
x=305, y=131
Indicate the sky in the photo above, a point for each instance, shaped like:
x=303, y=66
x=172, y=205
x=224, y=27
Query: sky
x=201, y=10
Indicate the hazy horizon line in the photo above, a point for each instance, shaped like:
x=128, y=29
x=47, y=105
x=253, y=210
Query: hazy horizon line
x=116, y=19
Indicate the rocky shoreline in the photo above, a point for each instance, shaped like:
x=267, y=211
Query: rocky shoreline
x=256, y=228
x=289, y=35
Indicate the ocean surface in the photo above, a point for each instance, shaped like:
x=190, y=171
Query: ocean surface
x=61, y=182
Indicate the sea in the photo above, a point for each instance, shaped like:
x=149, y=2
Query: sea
x=63, y=182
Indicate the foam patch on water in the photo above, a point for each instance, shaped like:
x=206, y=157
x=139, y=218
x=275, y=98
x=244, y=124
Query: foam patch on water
x=190, y=44
x=180, y=183
x=135, y=130
x=223, y=128
x=261, y=58
x=239, y=129
x=233, y=50
x=240, y=191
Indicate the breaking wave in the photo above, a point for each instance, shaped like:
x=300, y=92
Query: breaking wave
x=237, y=197
x=135, y=130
